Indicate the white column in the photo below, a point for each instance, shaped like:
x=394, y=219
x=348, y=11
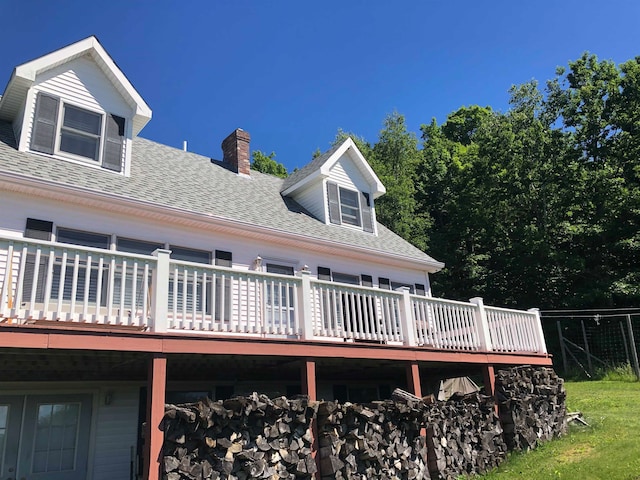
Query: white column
x=306, y=312
x=406, y=318
x=542, y=344
x=483, y=324
x=160, y=291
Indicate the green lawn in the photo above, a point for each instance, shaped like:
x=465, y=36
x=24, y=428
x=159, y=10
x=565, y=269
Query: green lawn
x=609, y=449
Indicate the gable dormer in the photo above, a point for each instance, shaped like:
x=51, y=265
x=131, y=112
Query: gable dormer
x=75, y=104
x=338, y=187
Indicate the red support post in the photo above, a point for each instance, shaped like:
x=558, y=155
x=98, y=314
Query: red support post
x=156, y=389
x=414, y=385
x=413, y=379
x=309, y=379
x=489, y=380
x=309, y=388
x=490, y=383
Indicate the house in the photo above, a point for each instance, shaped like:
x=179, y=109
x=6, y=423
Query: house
x=132, y=273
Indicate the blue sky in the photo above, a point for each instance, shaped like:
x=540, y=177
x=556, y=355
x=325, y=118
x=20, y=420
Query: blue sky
x=292, y=72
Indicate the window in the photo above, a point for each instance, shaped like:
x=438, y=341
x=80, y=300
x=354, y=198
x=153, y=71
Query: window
x=55, y=441
x=42, y=230
x=343, y=307
x=85, y=239
x=140, y=247
x=349, y=207
x=346, y=278
x=80, y=132
x=190, y=255
x=280, y=298
x=280, y=269
x=69, y=130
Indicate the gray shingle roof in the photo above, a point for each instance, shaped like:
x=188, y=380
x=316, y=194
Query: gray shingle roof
x=173, y=178
x=309, y=168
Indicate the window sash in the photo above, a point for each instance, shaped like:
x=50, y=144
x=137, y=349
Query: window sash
x=350, y=207
x=80, y=132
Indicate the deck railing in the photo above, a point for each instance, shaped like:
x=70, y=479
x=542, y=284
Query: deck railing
x=53, y=281
x=445, y=324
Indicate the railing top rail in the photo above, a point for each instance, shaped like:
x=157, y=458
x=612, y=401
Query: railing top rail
x=509, y=310
x=234, y=271
x=442, y=300
x=348, y=286
x=70, y=246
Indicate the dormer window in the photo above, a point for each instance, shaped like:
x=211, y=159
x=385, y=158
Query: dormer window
x=349, y=207
x=80, y=132
x=67, y=130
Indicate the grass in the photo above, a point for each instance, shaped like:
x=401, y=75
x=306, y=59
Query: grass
x=608, y=449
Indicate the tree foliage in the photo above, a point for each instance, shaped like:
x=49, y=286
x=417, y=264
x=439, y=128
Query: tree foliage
x=268, y=164
x=535, y=206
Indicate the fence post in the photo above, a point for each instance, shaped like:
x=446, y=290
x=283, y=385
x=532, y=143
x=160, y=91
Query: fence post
x=634, y=351
x=562, y=347
x=542, y=344
x=586, y=346
x=160, y=290
x=305, y=301
x=483, y=324
x=406, y=318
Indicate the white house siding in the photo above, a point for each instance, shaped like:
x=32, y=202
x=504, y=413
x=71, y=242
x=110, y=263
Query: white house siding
x=116, y=433
x=17, y=123
x=312, y=198
x=346, y=174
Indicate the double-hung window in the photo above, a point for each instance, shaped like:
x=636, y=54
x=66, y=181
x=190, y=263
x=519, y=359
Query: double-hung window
x=349, y=207
x=61, y=128
x=80, y=132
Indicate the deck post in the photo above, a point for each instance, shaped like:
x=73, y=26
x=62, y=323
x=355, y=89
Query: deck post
x=542, y=344
x=305, y=302
x=484, y=332
x=309, y=379
x=160, y=290
x=489, y=374
x=309, y=389
x=406, y=318
x=413, y=378
x=156, y=389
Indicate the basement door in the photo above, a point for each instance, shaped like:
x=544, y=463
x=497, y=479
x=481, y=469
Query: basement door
x=44, y=437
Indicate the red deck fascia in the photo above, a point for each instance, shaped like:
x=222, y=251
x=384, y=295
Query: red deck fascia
x=38, y=337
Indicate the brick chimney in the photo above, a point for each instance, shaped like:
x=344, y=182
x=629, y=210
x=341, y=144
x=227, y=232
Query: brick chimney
x=235, y=151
